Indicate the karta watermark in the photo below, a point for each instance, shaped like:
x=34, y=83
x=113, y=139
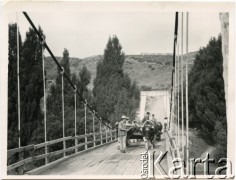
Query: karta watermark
x=178, y=169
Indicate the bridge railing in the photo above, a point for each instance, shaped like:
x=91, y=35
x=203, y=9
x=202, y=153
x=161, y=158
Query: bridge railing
x=35, y=155
x=98, y=139
x=174, y=150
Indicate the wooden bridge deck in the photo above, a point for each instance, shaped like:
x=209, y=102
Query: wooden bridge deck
x=107, y=160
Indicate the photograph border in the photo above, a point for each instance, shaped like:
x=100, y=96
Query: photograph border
x=121, y=6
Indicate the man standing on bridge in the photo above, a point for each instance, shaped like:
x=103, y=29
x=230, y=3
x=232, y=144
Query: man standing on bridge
x=122, y=133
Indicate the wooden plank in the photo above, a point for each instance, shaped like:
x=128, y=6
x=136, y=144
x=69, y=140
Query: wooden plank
x=43, y=168
x=28, y=160
x=89, y=142
x=90, y=134
x=35, y=158
x=82, y=144
x=98, y=161
x=82, y=136
x=10, y=152
x=59, y=140
x=99, y=133
x=51, y=142
x=20, y=163
x=87, y=135
x=103, y=161
x=66, y=138
x=37, y=146
x=97, y=140
x=53, y=153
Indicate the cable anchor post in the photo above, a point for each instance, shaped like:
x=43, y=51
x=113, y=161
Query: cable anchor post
x=76, y=140
x=85, y=122
x=44, y=99
x=75, y=88
x=63, y=109
x=43, y=42
x=62, y=71
x=85, y=117
x=94, y=137
x=100, y=124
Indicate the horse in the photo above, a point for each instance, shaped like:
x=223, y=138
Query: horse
x=148, y=132
x=159, y=129
x=150, y=129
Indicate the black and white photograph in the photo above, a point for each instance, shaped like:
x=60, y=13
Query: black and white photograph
x=124, y=90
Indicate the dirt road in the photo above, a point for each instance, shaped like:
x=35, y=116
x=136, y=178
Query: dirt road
x=156, y=105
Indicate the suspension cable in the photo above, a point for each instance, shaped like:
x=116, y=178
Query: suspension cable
x=187, y=123
x=94, y=137
x=100, y=125
x=93, y=114
x=44, y=95
x=174, y=99
x=61, y=68
x=76, y=140
x=75, y=111
x=44, y=100
x=173, y=70
x=182, y=82
x=178, y=89
x=85, y=117
x=63, y=108
x=18, y=82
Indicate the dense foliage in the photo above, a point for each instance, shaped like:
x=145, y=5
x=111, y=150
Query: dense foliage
x=12, y=86
x=31, y=94
x=54, y=102
x=114, y=93
x=207, y=97
x=30, y=88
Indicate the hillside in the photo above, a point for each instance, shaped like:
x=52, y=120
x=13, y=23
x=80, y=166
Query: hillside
x=149, y=71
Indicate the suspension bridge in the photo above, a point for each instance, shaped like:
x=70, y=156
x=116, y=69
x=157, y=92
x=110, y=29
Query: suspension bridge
x=98, y=153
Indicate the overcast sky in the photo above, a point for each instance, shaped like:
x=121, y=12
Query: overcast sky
x=86, y=34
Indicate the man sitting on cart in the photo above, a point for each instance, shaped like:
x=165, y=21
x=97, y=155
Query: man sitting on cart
x=149, y=120
x=146, y=117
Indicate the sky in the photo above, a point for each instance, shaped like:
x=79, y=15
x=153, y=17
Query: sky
x=86, y=34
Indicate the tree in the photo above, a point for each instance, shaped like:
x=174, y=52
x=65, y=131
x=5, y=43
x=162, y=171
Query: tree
x=65, y=63
x=12, y=85
x=206, y=98
x=54, y=102
x=112, y=87
x=84, y=79
x=31, y=83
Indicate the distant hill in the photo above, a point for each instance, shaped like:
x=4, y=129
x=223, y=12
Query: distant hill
x=150, y=71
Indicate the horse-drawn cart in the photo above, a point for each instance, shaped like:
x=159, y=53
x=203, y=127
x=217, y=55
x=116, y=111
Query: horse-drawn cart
x=134, y=132
x=144, y=131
